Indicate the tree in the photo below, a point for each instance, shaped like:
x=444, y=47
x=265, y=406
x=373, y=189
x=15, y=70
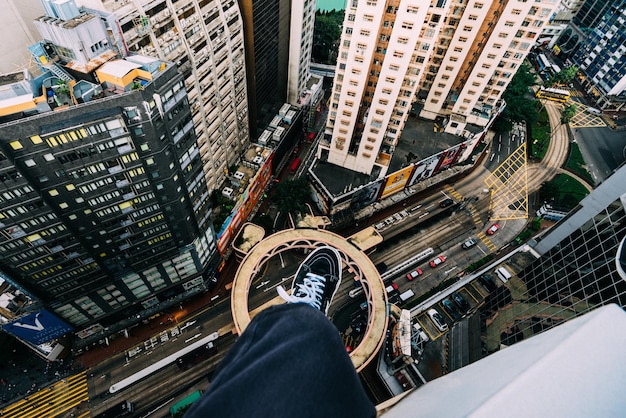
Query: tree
x=326, y=36
x=568, y=112
x=564, y=76
x=519, y=106
x=291, y=196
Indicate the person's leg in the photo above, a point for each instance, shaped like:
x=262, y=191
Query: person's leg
x=289, y=362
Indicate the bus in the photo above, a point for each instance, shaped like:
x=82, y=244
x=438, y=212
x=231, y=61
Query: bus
x=294, y=165
x=179, y=408
x=542, y=62
x=118, y=410
x=557, y=95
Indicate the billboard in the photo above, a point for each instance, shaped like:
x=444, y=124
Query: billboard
x=365, y=195
x=396, y=181
x=424, y=169
x=38, y=327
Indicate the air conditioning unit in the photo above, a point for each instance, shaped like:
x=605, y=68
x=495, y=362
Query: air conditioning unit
x=227, y=192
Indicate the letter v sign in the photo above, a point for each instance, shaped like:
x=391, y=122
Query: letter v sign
x=37, y=327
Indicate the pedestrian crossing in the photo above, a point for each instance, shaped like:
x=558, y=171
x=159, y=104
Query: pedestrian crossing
x=475, y=217
x=69, y=394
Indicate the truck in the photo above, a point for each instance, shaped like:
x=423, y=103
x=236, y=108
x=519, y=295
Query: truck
x=407, y=295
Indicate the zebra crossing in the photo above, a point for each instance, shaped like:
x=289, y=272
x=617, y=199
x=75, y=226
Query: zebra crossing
x=475, y=217
x=54, y=401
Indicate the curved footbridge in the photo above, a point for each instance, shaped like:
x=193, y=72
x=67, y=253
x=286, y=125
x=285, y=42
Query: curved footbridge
x=354, y=260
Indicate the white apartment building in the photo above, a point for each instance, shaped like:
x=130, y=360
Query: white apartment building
x=205, y=39
x=450, y=59
x=300, y=47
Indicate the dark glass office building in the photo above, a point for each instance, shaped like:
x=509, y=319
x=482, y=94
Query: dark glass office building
x=578, y=266
x=104, y=210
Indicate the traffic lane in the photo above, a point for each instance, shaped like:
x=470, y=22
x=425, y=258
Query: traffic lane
x=122, y=365
x=500, y=150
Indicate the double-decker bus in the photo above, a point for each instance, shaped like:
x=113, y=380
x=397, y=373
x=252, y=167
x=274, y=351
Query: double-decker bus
x=558, y=95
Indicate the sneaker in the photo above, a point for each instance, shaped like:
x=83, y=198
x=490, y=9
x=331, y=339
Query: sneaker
x=316, y=280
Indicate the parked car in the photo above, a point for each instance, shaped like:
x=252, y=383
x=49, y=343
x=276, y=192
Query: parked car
x=488, y=282
x=469, y=243
x=414, y=274
x=461, y=302
x=493, y=229
x=446, y=202
x=451, y=308
x=438, y=320
x=437, y=260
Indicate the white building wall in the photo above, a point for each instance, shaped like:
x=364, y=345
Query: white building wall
x=300, y=47
x=215, y=79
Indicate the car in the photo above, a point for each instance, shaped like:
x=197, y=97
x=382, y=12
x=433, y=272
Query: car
x=493, y=229
x=469, y=243
x=451, y=308
x=438, y=320
x=446, y=202
x=461, y=302
x=488, y=282
x=437, y=260
x=393, y=287
x=414, y=274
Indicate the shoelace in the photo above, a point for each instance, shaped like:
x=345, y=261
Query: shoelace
x=310, y=291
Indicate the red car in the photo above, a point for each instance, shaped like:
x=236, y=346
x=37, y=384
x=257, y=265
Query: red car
x=436, y=261
x=413, y=275
x=493, y=229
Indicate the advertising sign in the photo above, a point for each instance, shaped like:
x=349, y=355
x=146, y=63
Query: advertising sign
x=38, y=327
x=365, y=195
x=396, y=181
x=424, y=169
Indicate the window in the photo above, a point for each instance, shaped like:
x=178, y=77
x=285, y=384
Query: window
x=467, y=28
x=478, y=5
x=407, y=25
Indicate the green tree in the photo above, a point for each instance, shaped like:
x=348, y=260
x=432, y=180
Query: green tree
x=326, y=36
x=519, y=105
x=568, y=113
x=291, y=196
x=565, y=76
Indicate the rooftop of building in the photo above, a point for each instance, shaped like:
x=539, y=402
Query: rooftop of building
x=420, y=139
x=24, y=95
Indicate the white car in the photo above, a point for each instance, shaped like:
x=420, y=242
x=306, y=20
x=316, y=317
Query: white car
x=437, y=320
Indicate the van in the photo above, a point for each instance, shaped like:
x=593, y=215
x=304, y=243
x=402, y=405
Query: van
x=594, y=111
x=503, y=274
x=407, y=295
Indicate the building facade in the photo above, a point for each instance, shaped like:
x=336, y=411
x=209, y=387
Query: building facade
x=601, y=58
x=104, y=211
x=206, y=40
x=589, y=14
x=447, y=60
x=577, y=267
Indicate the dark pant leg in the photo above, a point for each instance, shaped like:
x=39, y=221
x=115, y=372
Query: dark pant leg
x=289, y=362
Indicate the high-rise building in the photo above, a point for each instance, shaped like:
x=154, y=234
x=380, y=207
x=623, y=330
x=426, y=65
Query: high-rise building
x=577, y=267
x=447, y=59
x=104, y=214
x=278, y=42
x=589, y=14
x=206, y=40
x=16, y=22
x=601, y=58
